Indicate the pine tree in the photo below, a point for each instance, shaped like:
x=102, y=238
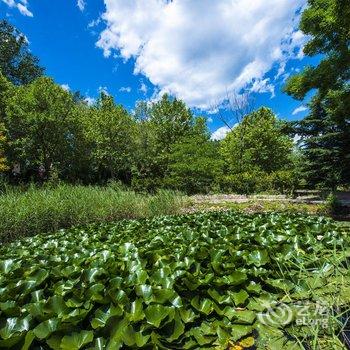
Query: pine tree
x=325, y=131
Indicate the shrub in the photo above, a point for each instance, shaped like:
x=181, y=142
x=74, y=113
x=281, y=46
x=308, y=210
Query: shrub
x=332, y=205
x=255, y=181
x=283, y=181
x=247, y=182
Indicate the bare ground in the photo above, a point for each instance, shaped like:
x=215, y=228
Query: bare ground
x=307, y=202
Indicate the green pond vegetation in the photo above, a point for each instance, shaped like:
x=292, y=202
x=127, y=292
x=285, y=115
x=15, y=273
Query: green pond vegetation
x=176, y=282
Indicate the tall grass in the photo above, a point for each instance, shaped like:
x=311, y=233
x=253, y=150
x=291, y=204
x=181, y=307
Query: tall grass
x=40, y=210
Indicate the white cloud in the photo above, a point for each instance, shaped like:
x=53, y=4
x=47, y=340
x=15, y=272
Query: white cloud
x=10, y=3
x=103, y=89
x=22, y=6
x=199, y=50
x=210, y=120
x=90, y=101
x=299, y=109
x=24, y=10
x=143, y=88
x=281, y=69
x=81, y=4
x=125, y=89
x=220, y=133
x=296, y=139
x=298, y=38
x=94, y=23
x=262, y=86
x=65, y=87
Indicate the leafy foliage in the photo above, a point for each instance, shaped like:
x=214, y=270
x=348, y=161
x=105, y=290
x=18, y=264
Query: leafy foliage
x=54, y=135
x=3, y=162
x=161, y=126
x=326, y=130
x=109, y=131
x=258, y=155
x=17, y=64
x=194, y=162
x=180, y=282
x=39, y=126
x=327, y=23
x=257, y=144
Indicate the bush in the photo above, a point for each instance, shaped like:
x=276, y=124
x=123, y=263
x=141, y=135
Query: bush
x=147, y=184
x=282, y=181
x=332, y=205
x=49, y=209
x=245, y=183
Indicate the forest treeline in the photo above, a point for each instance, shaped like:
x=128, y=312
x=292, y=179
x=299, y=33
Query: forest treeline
x=50, y=134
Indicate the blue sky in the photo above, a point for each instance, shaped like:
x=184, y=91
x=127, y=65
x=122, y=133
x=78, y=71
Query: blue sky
x=198, y=51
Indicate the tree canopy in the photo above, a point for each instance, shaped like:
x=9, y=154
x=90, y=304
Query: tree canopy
x=38, y=123
x=110, y=130
x=17, y=64
x=194, y=161
x=325, y=131
x=3, y=161
x=46, y=131
x=258, y=143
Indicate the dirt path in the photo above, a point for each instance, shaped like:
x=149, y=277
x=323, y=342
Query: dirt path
x=306, y=203
x=235, y=198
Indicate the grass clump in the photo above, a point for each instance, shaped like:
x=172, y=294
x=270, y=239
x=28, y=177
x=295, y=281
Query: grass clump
x=39, y=210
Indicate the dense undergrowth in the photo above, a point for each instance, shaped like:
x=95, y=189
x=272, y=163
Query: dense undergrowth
x=204, y=281
x=46, y=209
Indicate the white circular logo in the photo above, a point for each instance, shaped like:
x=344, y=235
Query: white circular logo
x=279, y=315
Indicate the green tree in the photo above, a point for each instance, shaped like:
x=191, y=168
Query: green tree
x=194, y=161
x=258, y=155
x=5, y=89
x=326, y=130
x=110, y=131
x=39, y=128
x=17, y=64
x=265, y=147
x=159, y=126
x=148, y=160
x=171, y=119
x=3, y=161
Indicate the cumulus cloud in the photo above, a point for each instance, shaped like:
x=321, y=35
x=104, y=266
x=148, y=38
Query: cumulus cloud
x=81, y=4
x=220, y=133
x=198, y=50
x=22, y=6
x=299, y=109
